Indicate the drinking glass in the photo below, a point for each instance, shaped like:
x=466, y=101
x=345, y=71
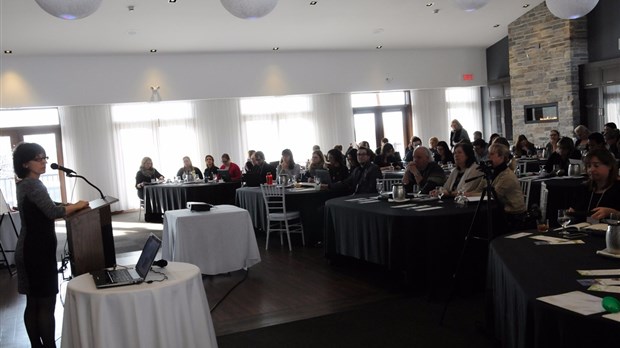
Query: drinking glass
x=564, y=220
x=380, y=188
x=440, y=193
x=185, y=177
x=416, y=190
x=542, y=224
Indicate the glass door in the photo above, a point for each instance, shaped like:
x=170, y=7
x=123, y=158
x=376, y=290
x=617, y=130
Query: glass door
x=394, y=130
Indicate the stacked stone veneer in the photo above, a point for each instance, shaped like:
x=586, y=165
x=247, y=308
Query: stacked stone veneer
x=544, y=56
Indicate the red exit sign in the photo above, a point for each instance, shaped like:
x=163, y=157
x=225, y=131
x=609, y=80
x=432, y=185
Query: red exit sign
x=468, y=77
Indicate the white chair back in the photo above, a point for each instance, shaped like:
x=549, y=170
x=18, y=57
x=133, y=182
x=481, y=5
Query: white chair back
x=544, y=192
x=526, y=184
x=388, y=183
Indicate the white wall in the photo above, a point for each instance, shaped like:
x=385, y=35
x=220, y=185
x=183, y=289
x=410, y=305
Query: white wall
x=93, y=80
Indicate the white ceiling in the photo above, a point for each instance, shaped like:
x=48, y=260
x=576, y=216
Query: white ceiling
x=205, y=26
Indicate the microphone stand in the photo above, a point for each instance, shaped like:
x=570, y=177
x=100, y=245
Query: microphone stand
x=489, y=192
x=70, y=175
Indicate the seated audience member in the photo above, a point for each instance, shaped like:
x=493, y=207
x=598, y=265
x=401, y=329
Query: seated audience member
x=552, y=145
x=352, y=160
x=465, y=169
x=604, y=188
x=365, y=144
x=581, y=134
x=523, y=147
x=596, y=141
x=506, y=185
x=422, y=171
x=337, y=168
x=233, y=169
x=338, y=147
x=480, y=149
x=145, y=175
x=609, y=126
x=444, y=155
x=612, y=138
x=387, y=157
x=413, y=143
x=188, y=168
x=287, y=165
x=261, y=168
x=363, y=179
x=249, y=163
x=316, y=162
x=432, y=144
x=561, y=158
x=379, y=150
x=458, y=134
x=211, y=169
x=477, y=135
x=512, y=163
x=493, y=137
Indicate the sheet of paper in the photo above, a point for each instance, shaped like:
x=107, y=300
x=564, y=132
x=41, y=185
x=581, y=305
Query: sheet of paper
x=355, y=199
x=518, y=235
x=556, y=241
x=427, y=209
x=605, y=288
x=599, y=272
x=613, y=316
x=368, y=201
x=608, y=281
x=576, y=301
x=418, y=207
x=404, y=205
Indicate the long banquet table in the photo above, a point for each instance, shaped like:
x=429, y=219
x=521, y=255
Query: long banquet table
x=218, y=241
x=425, y=244
x=307, y=201
x=163, y=197
x=170, y=313
x=520, y=271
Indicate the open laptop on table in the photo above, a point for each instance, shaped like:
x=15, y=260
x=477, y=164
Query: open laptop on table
x=224, y=174
x=107, y=279
x=323, y=175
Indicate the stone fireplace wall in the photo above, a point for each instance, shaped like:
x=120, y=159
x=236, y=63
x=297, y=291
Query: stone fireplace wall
x=544, y=56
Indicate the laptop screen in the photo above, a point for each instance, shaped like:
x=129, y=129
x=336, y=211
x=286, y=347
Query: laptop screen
x=224, y=174
x=148, y=255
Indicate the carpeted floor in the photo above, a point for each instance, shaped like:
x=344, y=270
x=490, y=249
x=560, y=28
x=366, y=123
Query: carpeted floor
x=403, y=322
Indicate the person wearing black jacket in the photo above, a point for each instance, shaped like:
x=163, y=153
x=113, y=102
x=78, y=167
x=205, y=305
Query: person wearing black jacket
x=261, y=168
x=363, y=179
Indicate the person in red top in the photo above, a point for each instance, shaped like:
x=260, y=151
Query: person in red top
x=233, y=169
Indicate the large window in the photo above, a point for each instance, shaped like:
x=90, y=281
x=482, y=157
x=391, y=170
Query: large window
x=39, y=126
x=272, y=124
x=382, y=115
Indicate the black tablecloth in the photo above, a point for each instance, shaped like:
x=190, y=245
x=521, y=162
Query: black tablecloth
x=160, y=198
x=308, y=203
x=519, y=272
x=425, y=245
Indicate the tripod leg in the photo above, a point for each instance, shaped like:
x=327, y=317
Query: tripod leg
x=460, y=261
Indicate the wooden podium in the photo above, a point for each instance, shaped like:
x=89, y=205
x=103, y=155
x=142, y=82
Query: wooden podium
x=89, y=234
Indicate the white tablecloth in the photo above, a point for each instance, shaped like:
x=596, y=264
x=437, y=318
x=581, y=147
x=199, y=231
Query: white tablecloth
x=171, y=313
x=218, y=241
x=7, y=234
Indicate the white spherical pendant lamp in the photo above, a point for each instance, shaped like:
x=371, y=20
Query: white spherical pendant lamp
x=571, y=9
x=470, y=5
x=69, y=9
x=249, y=9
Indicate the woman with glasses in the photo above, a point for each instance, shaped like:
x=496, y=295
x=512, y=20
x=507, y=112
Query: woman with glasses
x=233, y=169
x=35, y=254
x=145, y=174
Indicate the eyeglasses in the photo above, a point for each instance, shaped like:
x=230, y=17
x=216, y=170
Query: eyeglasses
x=361, y=154
x=40, y=159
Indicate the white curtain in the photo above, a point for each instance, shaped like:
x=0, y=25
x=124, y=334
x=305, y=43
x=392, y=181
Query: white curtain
x=611, y=96
x=333, y=117
x=434, y=109
x=89, y=150
x=219, y=130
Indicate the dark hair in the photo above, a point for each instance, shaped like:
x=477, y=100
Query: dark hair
x=468, y=149
x=321, y=157
x=363, y=148
x=479, y=142
x=503, y=141
x=613, y=134
x=566, y=143
x=259, y=155
x=207, y=156
x=447, y=153
x=353, y=154
x=611, y=125
x=608, y=159
x=555, y=131
x=597, y=138
x=493, y=137
x=337, y=156
x=225, y=155
x=387, y=147
x=414, y=139
x=289, y=153
x=24, y=153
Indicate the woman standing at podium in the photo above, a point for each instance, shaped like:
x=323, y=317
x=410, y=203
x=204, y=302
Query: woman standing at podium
x=35, y=254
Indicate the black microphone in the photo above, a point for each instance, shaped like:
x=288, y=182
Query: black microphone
x=160, y=263
x=59, y=167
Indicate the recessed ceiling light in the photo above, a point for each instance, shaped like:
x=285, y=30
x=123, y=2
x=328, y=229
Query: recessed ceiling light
x=496, y=25
x=429, y=4
x=379, y=47
x=275, y=49
x=526, y=5
x=153, y=51
x=172, y=1
x=8, y=52
x=312, y=3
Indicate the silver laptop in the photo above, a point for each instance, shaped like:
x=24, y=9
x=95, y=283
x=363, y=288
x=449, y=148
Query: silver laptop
x=107, y=279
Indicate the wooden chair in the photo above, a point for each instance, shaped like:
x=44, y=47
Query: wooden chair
x=278, y=218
